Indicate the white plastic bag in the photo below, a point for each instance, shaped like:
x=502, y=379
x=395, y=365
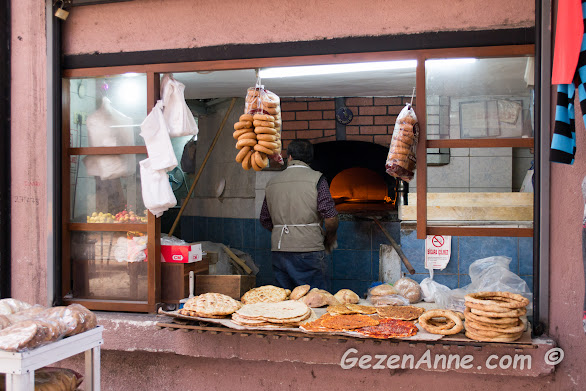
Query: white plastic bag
x=490, y=274
x=109, y=166
x=178, y=117
x=157, y=194
x=156, y=138
x=430, y=288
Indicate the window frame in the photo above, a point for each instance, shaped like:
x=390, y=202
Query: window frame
x=153, y=72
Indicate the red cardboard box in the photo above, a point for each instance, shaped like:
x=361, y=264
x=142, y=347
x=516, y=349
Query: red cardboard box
x=182, y=254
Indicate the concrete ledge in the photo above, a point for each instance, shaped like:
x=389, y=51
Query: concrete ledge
x=138, y=332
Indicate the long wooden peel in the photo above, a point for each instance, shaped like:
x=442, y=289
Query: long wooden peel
x=395, y=246
x=237, y=260
x=205, y=160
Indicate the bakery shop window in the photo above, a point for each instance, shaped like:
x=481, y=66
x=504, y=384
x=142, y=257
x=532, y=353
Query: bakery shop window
x=106, y=263
x=482, y=110
x=476, y=115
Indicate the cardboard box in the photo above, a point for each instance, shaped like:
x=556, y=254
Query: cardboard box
x=175, y=279
x=233, y=286
x=182, y=254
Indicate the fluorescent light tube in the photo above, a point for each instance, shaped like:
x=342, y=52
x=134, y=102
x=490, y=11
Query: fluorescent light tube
x=268, y=73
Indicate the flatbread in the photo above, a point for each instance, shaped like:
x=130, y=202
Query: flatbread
x=212, y=304
x=299, y=292
x=264, y=294
x=340, y=310
x=404, y=312
x=362, y=309
x=275, y=312
x=348, y=322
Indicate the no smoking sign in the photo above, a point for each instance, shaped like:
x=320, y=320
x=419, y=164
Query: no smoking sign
x=438, y=249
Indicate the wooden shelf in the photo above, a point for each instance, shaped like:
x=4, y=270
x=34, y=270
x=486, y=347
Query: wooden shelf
x=128, y=150
x=110, y=227
x=481, y=231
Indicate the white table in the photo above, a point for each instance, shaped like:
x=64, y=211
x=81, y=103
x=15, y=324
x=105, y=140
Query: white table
x=20, y=367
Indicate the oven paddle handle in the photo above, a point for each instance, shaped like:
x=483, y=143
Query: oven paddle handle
x=395, y=246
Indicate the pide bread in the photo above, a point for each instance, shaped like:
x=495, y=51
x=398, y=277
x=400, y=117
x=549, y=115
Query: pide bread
x=299, y=291
x=264, y=294
x=212, y=304
x=346, y=296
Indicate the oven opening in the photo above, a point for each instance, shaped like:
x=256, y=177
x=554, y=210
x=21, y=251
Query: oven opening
x=355, y=171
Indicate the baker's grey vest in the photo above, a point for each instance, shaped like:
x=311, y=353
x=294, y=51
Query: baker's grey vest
x=292, y=201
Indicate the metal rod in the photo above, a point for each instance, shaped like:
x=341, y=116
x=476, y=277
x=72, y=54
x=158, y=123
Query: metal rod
x=205, y=160
x=395, y=246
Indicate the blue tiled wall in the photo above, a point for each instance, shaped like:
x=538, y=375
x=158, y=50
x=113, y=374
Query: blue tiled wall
x=354, y=264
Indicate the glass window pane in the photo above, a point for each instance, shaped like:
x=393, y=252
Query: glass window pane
x=102, y=187
x=479, y=186
x=107, y=112
x=109, y=265
x=479, y=98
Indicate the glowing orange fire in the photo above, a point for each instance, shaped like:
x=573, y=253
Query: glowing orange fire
x=358, y=183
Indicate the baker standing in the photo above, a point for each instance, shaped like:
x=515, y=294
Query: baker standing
x=297, y=202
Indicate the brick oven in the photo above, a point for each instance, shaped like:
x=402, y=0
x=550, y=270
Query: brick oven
x=352, y=155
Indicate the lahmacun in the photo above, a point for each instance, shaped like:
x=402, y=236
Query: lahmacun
x=348, y=322
x=390, y=328
x=406, y=312
x=316, y=326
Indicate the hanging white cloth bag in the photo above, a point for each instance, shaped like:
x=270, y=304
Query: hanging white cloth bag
x=156, y=138
x=157, y=194
x=178, y=116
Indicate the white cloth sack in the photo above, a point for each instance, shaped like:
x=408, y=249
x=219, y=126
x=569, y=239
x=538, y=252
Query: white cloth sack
x=107, y=127
x=157, y=194
x=156, y=138
x=179, y=119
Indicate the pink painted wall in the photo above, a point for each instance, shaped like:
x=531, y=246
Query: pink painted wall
x=566, y=269
x=29, y=157
x=153, y=24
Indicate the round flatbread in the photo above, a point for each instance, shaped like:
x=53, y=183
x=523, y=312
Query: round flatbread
x=299, y=292
x=264, y=294
x=212, y=304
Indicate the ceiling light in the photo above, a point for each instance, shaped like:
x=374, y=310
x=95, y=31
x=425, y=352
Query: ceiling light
x=450, y=62
x=268, y=73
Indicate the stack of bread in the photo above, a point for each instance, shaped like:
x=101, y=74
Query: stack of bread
x=26, y=327
x=258, y=130
x=288, y=313
x=495, y=316
x=401, y=158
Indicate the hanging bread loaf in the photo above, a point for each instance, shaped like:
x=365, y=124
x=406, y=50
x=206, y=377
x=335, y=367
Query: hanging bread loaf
x=401, y=157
